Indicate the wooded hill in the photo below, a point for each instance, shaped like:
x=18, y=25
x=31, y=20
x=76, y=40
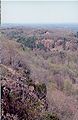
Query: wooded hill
x=39, y=73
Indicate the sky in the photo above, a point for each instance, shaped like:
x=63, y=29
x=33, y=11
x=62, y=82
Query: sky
x=24, y=12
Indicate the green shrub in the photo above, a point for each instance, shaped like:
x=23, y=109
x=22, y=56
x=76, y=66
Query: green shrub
x=40, y=46
x=49, y=116
x=28, y=41
x=41, y=90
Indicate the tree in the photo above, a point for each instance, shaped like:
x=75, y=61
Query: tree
x=77, y=34
x=64, y=44
x=28, y=41
x=40, y=46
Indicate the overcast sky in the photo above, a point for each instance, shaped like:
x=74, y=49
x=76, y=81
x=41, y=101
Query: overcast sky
x=39, y=12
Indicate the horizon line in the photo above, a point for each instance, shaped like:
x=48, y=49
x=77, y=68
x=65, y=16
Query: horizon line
x=41, y=23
